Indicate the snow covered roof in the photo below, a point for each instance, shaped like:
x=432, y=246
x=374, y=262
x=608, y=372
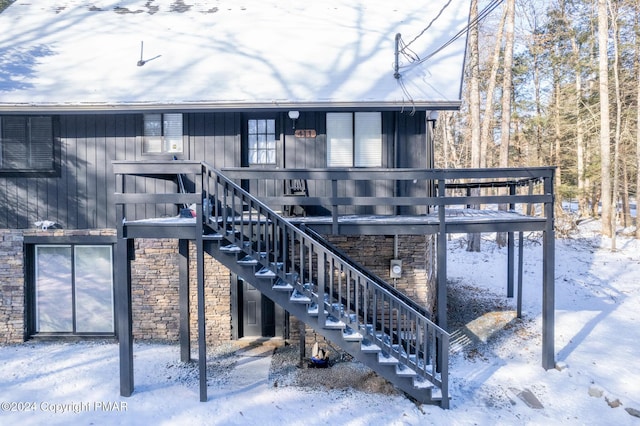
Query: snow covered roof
x=76, y=55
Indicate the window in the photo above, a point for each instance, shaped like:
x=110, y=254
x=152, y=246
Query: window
x=74, y=289
x=26, y=144
x=354, y=139
x=262, y=141
x=162, y=133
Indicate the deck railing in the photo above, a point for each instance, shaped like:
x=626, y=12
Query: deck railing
x=394, y=192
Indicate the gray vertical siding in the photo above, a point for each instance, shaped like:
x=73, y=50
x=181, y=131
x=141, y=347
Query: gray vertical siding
x=80, y=196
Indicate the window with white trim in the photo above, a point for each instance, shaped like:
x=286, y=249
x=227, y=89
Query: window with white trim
x=162, y=133
x=261, y=136
x=354, y=139
x=26, y=143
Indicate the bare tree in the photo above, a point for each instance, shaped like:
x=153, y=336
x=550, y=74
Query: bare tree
x=605, y=148
x=507, y=81
x=613, y=8
x=488, y=117
x=637, y=60
x=474, y=107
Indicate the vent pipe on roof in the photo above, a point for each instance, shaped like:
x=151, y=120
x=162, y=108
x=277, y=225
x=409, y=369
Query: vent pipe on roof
x=396, y=67
x=141, y=62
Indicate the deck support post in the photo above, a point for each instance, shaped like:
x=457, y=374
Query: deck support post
x=303, y=342
x=442, y=261
x=510, y=263
x=185, y=330
x=510, y=248
x=202, y=335
x=548, y=284
x=520, y=267
x=122, y=290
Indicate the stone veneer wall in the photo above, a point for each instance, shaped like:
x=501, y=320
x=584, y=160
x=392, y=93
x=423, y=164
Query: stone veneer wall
x=217, y=296
x=154, y=290
x=155, y=283
x=155, y=297
x=11, y=286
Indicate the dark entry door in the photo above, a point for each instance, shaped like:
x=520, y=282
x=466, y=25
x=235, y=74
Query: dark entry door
x=260, y=316
x=251, y=310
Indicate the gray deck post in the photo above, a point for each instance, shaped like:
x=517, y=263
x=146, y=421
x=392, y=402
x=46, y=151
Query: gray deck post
x=548, y=285
x=510, y=248
x=122, y=292
x=303, y=342
x=185, y=330
x=202, y=329
x=510, y=263
x=520, y=270
x=442, y=261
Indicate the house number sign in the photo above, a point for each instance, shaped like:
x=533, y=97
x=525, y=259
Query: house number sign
x=305, y=133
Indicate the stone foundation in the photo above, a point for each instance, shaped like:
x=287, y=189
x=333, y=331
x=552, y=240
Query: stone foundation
x=11, y=286
x=155, y=285
x=155, y=281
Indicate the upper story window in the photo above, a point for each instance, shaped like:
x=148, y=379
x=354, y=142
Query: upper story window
x=26, y=144
x=354, y=139
x=162, y=133
x=262, y=141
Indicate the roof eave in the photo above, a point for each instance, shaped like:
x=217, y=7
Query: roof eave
x=198, y=106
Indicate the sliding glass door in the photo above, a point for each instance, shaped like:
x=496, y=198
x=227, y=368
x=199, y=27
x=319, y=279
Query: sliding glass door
x=74, y=289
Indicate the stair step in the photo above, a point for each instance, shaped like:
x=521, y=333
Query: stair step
x=297, y=297
x=265, y=272
x=350, y=335
x=212, y=237
x=247, y=260
x=282, y=285
x=314, y=311
x=404, y=371
x=385, y=358
x=423, y=383
x=367, y=346
x=334, y=323
x=231, y=249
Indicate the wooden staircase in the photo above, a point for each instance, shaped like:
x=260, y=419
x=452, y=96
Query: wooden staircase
x=320, y=286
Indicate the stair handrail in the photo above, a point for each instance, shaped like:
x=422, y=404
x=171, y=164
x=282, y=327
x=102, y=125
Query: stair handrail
x=217, y=208
x=368, y=274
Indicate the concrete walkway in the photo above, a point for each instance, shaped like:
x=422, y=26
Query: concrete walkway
x=251, y=372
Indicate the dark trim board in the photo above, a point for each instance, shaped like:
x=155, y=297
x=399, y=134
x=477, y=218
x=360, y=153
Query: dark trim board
x=70, y=239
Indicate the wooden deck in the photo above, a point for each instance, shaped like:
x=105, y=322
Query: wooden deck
x=456, y=221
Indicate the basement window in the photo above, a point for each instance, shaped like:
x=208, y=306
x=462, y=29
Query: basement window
x=162, y=133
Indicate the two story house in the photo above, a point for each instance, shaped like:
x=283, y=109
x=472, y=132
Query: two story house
x=276, y=155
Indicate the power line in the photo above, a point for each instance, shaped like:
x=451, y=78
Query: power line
x=414, y=59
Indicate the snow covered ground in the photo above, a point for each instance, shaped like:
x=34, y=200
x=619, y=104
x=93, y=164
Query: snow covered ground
x=496, y=373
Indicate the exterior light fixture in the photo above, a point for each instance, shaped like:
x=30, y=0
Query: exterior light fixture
x=294, y=115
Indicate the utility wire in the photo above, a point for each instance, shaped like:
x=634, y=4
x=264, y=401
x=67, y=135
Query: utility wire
x=428, y=26
x=414, y=59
